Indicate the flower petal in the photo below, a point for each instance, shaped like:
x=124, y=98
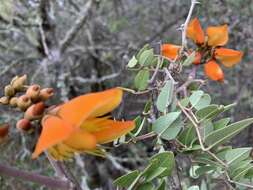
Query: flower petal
x=170, y=51
x=213, y=71
x=228, y=57
x=195, y=31
x=54, y=130
x=217, y=35
x=90, y=105
x=107, y=130
x=81, y=140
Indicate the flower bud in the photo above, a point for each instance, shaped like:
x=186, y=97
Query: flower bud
x=4, y=130
x=24, y=124
x=33, y=92
x=35, y=111
x=9, y=91
x=18, y=83
x=14, y=101
x=4, y=100
x=24, y=102
x=46, y=93
x=197, y=59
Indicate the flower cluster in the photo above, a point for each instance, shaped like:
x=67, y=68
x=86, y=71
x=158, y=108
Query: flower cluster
x=209, y=51
x=28, y=99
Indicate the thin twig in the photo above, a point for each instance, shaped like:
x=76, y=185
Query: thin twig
x=185, y=25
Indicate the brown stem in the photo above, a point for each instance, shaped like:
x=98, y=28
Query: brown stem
x=51, y=182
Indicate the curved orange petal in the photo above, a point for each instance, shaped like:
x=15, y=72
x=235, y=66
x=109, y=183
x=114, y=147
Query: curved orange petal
x=228, y=57
x=213, y=71
x=107, y=130
x=54, y=130
x=195, y=31
x=170, y=51
x=81, y=140
x=90, y=105
x=217, y=35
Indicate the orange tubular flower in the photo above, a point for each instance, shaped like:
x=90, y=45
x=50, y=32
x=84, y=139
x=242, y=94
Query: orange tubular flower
x=195, y=31
x=79, y=125
x=228, y=57
x=213, y=71
x=170, y=51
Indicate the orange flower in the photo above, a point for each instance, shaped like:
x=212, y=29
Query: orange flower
x=195, y=31
x=228, y=57
x=213, y=71
x=216, y=36
x=170, y=51
x=79, y=125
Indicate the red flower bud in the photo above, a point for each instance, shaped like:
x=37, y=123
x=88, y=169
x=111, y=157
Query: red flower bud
x=24, y=125
x=4, y=130
x=35, y=111
x=33, y=92
x=46, y=93
x=197, y=59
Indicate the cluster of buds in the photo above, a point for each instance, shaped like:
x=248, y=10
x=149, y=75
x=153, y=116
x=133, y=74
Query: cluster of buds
x=30, y=99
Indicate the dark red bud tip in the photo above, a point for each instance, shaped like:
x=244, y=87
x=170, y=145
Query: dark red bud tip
x=35, y=87
x=39, y=108
x=4, y=130
x=50, y=90
x=23, y=124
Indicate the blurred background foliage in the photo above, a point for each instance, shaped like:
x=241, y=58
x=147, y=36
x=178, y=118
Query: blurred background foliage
x=33, y=36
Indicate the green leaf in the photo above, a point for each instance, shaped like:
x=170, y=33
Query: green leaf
x=195, y=97
x=241, y=172
x=221, y=123
x=139, y=123
x=165, y=160
x=209, y=112
x=222, y=135
x=202, y=170
x=188, y=135
x=126, y=180
x=165, y=97
x=146, y=57
x=206, y=127
x=189, y=60
x=153, y=170
x=237, y=155
x=184, y=102
x=147, y=106
x=173, y=130
x=145, y=47
x=204, y=101
x=164, y=122
x=207, y=160
x=162, y=185
x=145, y=186
x=133, y=61
x=141, y=79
